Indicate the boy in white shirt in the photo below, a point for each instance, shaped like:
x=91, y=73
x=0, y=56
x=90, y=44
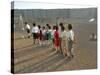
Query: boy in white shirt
x=36, y=33
x=33, y=33
x=71, y=40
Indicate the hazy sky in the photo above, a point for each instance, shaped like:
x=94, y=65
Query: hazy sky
x=45, y=5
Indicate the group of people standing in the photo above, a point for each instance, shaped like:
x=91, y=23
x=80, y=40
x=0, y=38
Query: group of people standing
x=58, y=37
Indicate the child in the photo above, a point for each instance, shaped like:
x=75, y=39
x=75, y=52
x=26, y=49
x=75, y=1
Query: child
x=49, y=35
x=43, y=35
x=36, y=34
x=71, y=40
x=56, y=39
x=33, y=33
x=52, y=36
x=60, y=26
x=64, y=41
x=40, y=35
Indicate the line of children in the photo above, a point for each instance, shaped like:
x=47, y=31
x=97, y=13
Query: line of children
x=64, y=41
x=60, y=39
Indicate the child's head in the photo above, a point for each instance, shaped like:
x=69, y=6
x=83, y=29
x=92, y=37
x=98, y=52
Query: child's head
x=43, y=27
x=34, y=24
x=47, y=25
x=69, y=27
x=25, y=22
x=61, y=24
x=56, y=27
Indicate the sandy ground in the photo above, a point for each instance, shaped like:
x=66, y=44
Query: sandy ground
x=32, y=58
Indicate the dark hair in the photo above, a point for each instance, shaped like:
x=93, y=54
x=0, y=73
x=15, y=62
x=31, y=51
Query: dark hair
x=34, y=24
x=53, y=27
x=25, y=22
x=49, y=27
x=43, y=27
x=61, y=24
x=39, y=26
x=56, y=27
x=62, y=28
x=69, y=26
x=47, y=24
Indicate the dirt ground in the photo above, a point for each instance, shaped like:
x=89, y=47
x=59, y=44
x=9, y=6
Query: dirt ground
x=32, y=58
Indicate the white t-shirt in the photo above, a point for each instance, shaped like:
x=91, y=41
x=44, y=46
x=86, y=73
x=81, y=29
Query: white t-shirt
x=28, y=26
x=36, y=29
x=33, y=29
x=70, y=35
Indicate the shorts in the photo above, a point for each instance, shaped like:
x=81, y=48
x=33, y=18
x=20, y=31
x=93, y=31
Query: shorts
x=47, y=36
x=56, y=42
x=34, y=35
x=70, y=45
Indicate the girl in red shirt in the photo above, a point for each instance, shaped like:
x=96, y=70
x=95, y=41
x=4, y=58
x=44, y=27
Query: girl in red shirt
x=56, y=39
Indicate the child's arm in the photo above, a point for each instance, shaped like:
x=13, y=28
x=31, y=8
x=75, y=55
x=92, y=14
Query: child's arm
x=75, y=41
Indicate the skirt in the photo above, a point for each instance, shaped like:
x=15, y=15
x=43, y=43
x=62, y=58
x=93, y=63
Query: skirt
x=56, y=42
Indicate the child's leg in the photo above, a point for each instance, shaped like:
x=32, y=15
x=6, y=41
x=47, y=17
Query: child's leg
x=53, y=43
x=43, y=41
x=33, y=38
x=39, y=42
x=56, y=48
x=50, y=43
x=67, y=52
x=63, y=51
x=72, y=52
x=60, y=44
